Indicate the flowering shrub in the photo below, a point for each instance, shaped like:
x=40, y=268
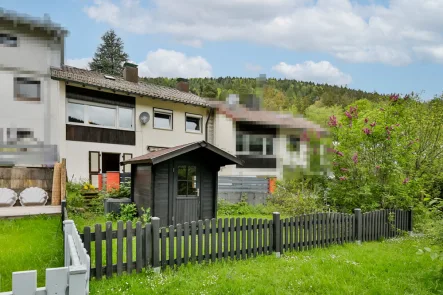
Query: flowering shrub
x=373, y=161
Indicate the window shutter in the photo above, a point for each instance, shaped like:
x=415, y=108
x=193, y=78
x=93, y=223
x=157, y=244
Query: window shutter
x=94, y=162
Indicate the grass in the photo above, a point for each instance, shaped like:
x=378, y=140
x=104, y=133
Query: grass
x=389, y=267
x=30, y=243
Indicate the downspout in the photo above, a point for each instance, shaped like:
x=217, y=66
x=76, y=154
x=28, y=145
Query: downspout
x=207, y=121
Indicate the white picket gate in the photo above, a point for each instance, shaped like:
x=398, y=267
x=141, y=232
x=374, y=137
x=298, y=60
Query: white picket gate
x=72, y=279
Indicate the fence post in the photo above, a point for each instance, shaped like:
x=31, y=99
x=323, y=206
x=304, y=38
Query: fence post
x=67, y=228
x=277, y=233
x=410, y=221
x=155, y=225
x=358, y=225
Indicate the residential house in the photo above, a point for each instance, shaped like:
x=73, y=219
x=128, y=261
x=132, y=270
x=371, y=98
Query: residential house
x=102, y=122
x=28, y=48
x=266, y=141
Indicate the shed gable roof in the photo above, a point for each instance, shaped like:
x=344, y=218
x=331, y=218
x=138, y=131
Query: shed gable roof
x=159, y=156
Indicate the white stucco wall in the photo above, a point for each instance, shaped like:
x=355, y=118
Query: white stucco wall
x=31, y=59
x=77, y=153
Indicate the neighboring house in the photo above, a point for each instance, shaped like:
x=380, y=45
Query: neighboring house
x=99, y=119
x=28, y=48
x=266, y=141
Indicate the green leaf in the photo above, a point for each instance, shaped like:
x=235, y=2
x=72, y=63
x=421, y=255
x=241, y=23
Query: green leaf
x=427, y=249
x=434, y=255
x=419, y=252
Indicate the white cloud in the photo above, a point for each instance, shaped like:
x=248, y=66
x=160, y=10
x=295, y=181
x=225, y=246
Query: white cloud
x=253, y=67
x=173, y=64
x=347, y=30
x=321, y=72
x=434, y=53
x=82, y=63
x=193, y=43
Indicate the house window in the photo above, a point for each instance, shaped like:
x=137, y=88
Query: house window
x=294, y=143
x=254, y=144
x=193, y=123
x=187, y=181
x=99, y=115
x=26, y=89
x=8, y=40
x=162, y=119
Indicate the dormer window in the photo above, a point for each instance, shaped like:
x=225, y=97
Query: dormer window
x=7, y=40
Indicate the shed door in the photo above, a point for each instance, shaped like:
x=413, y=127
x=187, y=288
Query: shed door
x=186, y=193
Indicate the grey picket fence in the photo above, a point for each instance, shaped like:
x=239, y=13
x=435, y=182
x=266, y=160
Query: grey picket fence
x=129, y=249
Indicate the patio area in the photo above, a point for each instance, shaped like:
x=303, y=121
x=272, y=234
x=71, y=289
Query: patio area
x=21, y=211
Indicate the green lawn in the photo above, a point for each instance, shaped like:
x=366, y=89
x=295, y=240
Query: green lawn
x=389, y=267
x=31, y=243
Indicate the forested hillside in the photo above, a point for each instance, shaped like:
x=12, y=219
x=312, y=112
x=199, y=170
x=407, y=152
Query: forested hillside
x=279, y=94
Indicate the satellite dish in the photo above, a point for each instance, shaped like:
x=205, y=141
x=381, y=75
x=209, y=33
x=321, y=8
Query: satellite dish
x=144, y=118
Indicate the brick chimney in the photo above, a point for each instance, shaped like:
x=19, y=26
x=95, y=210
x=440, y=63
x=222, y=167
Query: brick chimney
x=183, y=84
x=130, y=72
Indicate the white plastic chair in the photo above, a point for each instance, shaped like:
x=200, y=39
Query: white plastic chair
x=7, y=197
x=33, y=196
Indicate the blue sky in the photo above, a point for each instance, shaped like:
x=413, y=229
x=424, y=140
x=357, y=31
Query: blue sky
x=385, y=46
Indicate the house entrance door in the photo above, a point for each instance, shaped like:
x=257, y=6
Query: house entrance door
x=186, y=205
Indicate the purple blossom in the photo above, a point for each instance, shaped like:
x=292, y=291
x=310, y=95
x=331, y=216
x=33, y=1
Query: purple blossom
x=377, y=167
x=343, y=178
x=332, y=121
x=344, y=169
x=367, y=131
x=406, y=180
x=355, y=158
x=394, y=97
x=348, y=115
x=373, y=124
x=340, y=154
x=366, y=120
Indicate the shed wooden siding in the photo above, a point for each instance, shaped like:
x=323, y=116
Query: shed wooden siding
x=207, y=193
x=161, y=192
x=143, y=190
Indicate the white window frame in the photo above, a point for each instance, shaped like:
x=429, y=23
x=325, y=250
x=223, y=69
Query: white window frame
x=200, y=117
x=163, y=112
x=86, y=118
x=246, y=142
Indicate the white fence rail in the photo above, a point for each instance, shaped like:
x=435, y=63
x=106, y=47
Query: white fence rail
x=72, y=279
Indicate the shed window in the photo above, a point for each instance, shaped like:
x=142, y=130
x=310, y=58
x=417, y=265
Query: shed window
x=163, y=119
x=8, y=40
x=193, y=123
x=187, y=181
x=27, y=89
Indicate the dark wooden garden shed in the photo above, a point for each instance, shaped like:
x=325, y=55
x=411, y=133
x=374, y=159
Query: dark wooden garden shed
x=179, y=184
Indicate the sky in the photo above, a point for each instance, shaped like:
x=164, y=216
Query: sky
x=386, y=46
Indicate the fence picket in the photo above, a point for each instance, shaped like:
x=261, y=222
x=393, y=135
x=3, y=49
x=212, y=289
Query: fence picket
x=291, y=233
x=254, y=237
x=231, y=238
x=163, y=246
x=148, y=244
x=129, y=247
x=87, y=240
x=193, y=241
x=296, y=231
x=243, y=239
x=186, y=226
x=260, y=236
x=225, y=241
x=98, y=251
x=248, y=242
x=200, y=241
x=213, y=240
x=178, y=242
x=265, y=236
x=220, y=239
x=237, y=238
x=138, y=247
x=207, y=233
x=271, y=236
x=119, y=247
x=108, y=249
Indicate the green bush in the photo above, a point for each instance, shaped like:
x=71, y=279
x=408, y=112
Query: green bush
x=124, y=191
x=128, y=212
x=295, y=197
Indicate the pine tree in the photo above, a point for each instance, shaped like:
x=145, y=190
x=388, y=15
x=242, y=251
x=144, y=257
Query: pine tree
x=110, y=56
